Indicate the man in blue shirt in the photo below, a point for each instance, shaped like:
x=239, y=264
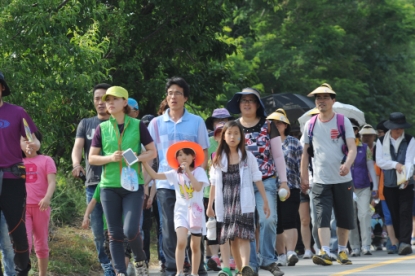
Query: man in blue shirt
x=174, y=125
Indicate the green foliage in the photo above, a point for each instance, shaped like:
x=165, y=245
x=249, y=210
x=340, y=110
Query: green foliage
x=68, y=201
x=362, y=48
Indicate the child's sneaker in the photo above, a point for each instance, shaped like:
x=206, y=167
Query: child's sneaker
x=225, y=272
x=213, y=263
x=141, y=268
x=232, y=264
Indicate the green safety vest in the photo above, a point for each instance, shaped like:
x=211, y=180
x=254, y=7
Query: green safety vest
x=111, y=137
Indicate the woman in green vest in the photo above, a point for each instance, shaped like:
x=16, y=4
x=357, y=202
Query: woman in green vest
x=121, y=185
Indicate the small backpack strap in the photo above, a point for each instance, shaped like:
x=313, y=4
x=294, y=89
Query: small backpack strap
x=311, y=125
x=342, y=132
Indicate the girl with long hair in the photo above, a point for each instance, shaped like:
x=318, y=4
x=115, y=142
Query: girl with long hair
x=233, y=172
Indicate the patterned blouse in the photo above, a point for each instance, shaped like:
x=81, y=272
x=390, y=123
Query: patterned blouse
x=292, y=153
x=258, y=142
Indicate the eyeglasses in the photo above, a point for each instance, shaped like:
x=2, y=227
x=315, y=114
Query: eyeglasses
x=175, y=93
x=324, y=98
x=251, y=101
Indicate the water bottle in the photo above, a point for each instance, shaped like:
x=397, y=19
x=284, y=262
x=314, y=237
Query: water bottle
x=211, y=229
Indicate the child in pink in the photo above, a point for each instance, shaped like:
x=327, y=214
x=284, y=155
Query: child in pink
x=40, y=185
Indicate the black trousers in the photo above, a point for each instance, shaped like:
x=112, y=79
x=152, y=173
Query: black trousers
x=13, y=205
x=400, y=206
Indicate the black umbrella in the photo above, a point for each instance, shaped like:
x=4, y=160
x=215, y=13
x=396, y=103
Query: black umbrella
x=294, y=105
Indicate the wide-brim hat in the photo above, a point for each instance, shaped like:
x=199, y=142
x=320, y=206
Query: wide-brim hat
x=116, y=91
x=279, y=115
x=218, y=113
x=173, y=149
x=322, y=89
x=6, y=90
x=233, y=104
x=396, y=120
x=367, y=130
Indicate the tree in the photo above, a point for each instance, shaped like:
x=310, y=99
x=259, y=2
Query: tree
x=362, y=48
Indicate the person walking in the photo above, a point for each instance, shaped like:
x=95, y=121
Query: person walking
x=395, y=152
x=233, y=172
x=363, y=170
x=40, y=186
x=333, y=185
x=13, y=173
x=174, y=125
x=263, y=140
x=288, y=208
x=91, y=175
x=188, y=179
x=121, y=184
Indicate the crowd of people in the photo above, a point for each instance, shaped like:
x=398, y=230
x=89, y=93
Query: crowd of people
x=229, y=193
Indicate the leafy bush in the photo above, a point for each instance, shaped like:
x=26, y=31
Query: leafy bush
x=69, y=201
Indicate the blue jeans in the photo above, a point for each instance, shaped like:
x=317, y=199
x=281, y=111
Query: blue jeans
x=160, y=234
x=7, y=251
x=97, y=226
x=267, y=226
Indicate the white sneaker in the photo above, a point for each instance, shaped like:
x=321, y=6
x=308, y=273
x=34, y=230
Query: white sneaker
x=355, y=253
x=366, y=250
x=292, y=259
x=130, y=269
x=308, y=254
x=282, y=260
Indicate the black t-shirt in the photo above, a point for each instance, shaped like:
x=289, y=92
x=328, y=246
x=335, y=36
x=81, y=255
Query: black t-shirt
x=86, y=130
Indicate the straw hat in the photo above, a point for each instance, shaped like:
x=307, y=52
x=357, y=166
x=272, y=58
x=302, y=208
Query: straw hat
x=322, y=89
x=367, y=130
x=279, y=115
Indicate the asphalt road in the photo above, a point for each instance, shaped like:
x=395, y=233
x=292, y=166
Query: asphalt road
x=380, y=263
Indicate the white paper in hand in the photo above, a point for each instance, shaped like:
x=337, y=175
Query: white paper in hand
x=401, y=177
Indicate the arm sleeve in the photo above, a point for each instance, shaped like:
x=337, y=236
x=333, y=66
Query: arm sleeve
x=171, y=177
x=212, y=175
x=97, y=139
x=372, y=173
x=304, y=138
x=348, y=128
x=202, y=135
x=382, y=163
x=145, y=136
x=201, y=176
x=253, y=165
x=279, y=159
x=80, y=130
x=409, y=158
x=97, y=194
x=50, y=165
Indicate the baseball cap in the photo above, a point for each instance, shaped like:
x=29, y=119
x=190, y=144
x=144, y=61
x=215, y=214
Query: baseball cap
x=116, y=91
x=133, y=104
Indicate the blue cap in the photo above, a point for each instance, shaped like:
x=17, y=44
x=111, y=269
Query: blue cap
x=133, y=104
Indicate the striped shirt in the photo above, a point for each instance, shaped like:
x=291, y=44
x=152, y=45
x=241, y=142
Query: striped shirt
x=292, y=153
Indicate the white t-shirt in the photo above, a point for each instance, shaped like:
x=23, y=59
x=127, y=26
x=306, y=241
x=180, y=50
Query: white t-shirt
x=327, y=144
x=182, y=203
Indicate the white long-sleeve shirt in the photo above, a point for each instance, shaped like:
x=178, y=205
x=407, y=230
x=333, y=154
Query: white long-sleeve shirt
x=390, y=164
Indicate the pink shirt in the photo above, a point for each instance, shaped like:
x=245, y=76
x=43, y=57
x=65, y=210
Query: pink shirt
x=37, y=170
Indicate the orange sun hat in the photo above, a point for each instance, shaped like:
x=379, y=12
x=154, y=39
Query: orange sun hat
x=173, y=149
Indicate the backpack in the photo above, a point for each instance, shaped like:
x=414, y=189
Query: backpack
x=342, y=133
